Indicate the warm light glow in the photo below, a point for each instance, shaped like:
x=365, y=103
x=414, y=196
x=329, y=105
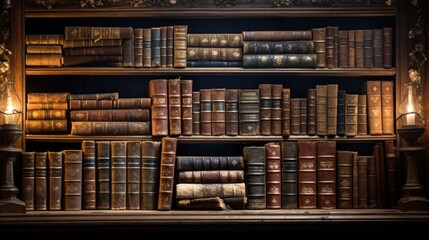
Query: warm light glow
x=10, y=105
x=411, y=116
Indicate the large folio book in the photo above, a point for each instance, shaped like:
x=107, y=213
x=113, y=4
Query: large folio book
x=149, y=182
x=281, y=35
x=307, y=174
x=180, y=39
x=186, y=95
x=72, y=179
x=40, y=181
x=344, y=179
x=286, y=112
x=174, y=106
x=321, y=109
x=55, y=180
x=131, y=114
x=387, y=107
x=166, y=174
x=133, y=174
x=372, y=89
x=311, y=111
x=265, y=106
x=289, y=177
x=206, y=190
x=255, y=173
x=110, y=128
x=205, y=112
x=121, y=103
x=326, y=154
x=103, y=174
x=97, y=33
x=283, y=60
x=278, y=47
x=218, y=111
x=44, y=39
x=196, y=105
x=88, y=175
x=27, y=172
x=332, y=106
x=211, y=176
x=215, y=39
x=249, y=115
x=38, y=97
x=202, y=163
x=118, y=163
x=158, y=92
x=231, y=112
x=273, y=175
x=46, y=126
x=276, y=109
x=319, y=35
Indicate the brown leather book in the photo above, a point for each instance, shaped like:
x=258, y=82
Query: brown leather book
x=110, y=128
x=255, y=173
x=330, y=46
x=133, y=174
x=41, y=181
x=319, y=35
x=265, y=105
x=170, y=45
x=138, y=47
x=289, y=175
x=282, y=35
x=89, y=32
x=55, y=160
x=207, y=190
x=326, y=154
x=332, y=106
x=211, y=176
x=378, y=48
x=28, y=179
x=158, y=92
x=345, y=179
x=147, y=47
x=355, y=180
x=359, y=49
x=362, y=165
x=303, y=116
x=387, y=47
x=88, y=175
x=372, y=182
x=218, y=111
x=94, y=51
x=286, y=114
x=276, y=109
x=180, y=39
x=273, y=175
x=41, y=39
x=322, y=110
x=205, y=112
x=302, y=46
x=121, y=103
x=155, y=47
x=196, y=105
x=47, y=106
x=231, y=112
x=214, y=54
x=128, y=52
x=46, y=126
x=351, y=49
x=307, y=174
x=379, y=154
x=283, y=60
x=392, y=158
x=186, y=95
x=200, y=163
x=368, y=48
x=118, y=163
x=163, y=46
x=336, y=43
x=174, y=107
x=235, y=202
x=131, y=114
x=343, y=48
x=91, y=43
x=166, y=176
x=372, y=88
x=351, y=114
x=44, y=49
x=295, y=116
x=93, y=60
x=103, y=174
x=149, y=185
x=311, y=111
x=43, y=60
x=341, y=113
x=362, y=116
x=215, y=39
x=387, y=107
x=57, y=97
x=212, y=203
x=51, y=114
x=72, y=179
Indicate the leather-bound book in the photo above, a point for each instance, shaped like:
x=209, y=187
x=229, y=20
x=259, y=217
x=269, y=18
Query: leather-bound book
x=41, y=181
x=362, y=166
x=130, y=114
x=286, y=115
x=355, y=180
x=214, y=54
x=276, y=109
x=103, y=175
x=91, y=43
x=133, y=174
x=311, y=111
x=359, y=49
x=278, y=47
x=343, y=48
x=163, y=46
x=174, y=107
x=43, y=60
x=322, y=110
x=231, y=112
x=27, y=172
x=368, y=48
x=380, y=154
x=351, y=49
x=93, y=60
x=362, y=116
x=156, y=47
x=88, y=32
x=51, y=114
x=351, y=115
x=255, y=173
x=319, y=46
x=180, y=39
x=295, y=116
x=265, y=104
x=110, y=128
x=186, y=95
x=336, y=43
x=88, y=175
x=289, y=175
x=273, y=175
x=218, y=111
x=72, y=179
x=326, y=155
x=282, y=35
x=372, y=182
x=47, y=106
x=166, y=173
x=391, y=173
x=372, y=88
x=199, y=163
x=330, y=46
x=138, y=47
x=96, y=51
x=344, y=179
x=387, y=107
x=387, y=47
x=307, y=174
x=149, y=185
x=128, y=52
x=196, y=113
x=206, y=203
x=147, y=47
x=284, y=60
x=46, y=126
x=303, y=116
x=57, y=97
x=55, y=180
x=118, y=167
x=332, y=106
x=341, y=113
x=210, y=176
x=207, y=190
x=378, y=48
x=158, y=92
x=214, y=63
x=42, y=39
x=205, y=112
x=170, y=45
x=215, y=40
x=121, y=103
x=249, y=115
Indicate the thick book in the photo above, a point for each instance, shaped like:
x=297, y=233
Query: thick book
x=372, y=88
x=311, y=111
x=43, y=39
x=41, y=181
x=285, y=60
x=289, y=184
x=196, y=105
x=88, y=175
x=149, y=181
x=28, y=179
x=380, y=153
x=180, y=40
x=121, y=103
x=249, y=112
x=387, y=107
x=286, y=114
x=133, y=153
x=130, y=114
x=278, y=47
x=95, y=96
x=214, y=54
x=362, y=116
x=49, y=114
x=351, y=117
x=210, y=176
x=206, y=190
x=279, y=35
x=174, y=106
x=273, y=175
x=319, y=41
x=321, y=109
x=186, y=96
x=205, y=112
x=215, y=40
x=158, y=92
x=92, y=43
x=265, y=106
x=110, y=128
x=55, y=166
x=72, y=179
x=341, y=113
x=118, y=167
x=201, y=163
x=166, y=173
x=255, y=173
x=43, y=60
x=94, y=51
x=231, y=112
x=97, y=33
x=332, y=106
x=218, y=111
x=46, y=126
x=307, y=174
x=344, y=179
x=276, y=109
x=326, y=157
x=55, y=97
x=103, y=175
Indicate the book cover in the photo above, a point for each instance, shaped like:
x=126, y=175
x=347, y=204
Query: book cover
x=118, y=167
x=72, y=179
x=149, y=182
x=273, y=175
x=166, y=173
x=307, y=174
x=55, y=161
x=28, y=179
x=255, y=173
x=88, y=175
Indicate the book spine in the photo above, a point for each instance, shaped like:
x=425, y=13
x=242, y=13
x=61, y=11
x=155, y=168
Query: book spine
x=107, y=50
x=218, y=111
x=46, y=126
x=326, y=174
x=155, y=47
x=293, y=60
x=158, y=91
x=186, y=96
x=138, y=47
x=110, y=128
x=387, y=107
x=211, y=176
x=289, y=184
x=278, y=47
x=97, y=33
x=89, y=183
x=128, y=52
x=72, y=179
x=351, y=49
x=307, y=175
x=343, y=48
x=265, y=106
x=196, y=113
x=312, y=111
x=345, y=179
x=362, y=124
x=276, y=109
x=341, y=118
x=94, y=60
x=391, y=173
x=170, y=46
x=51, y=114
x=180, y=45
x=28, y=179
x=330, y=46
x=303, y=116
x=286, y=112
x=92, y=43
x=110, y=115
x=207, y=190
x=231, y=112
x=40, y=181
x=372, y=180
x=118, y=163
x=255, y=173
x=351, y=114
x=319, y=39
x=387, y=47
x=283, y=35
x=200, y=163
x=205, y=112
x=57, y=97
x=55, y=180
x=43, y=60
x=47, y=106
x=332, y=105
x=373, y=93
x=248, y=109
x=378, y=48
x=43, y=39
x=133, y=169
x=362, y=181
x=336, y=44
x=322, y=110
x=355, y=188
x=167, y=169
x=174, y=107
x=149, y=185
x=163, y=47
x=121, y=103
x=214, y=54
x=368, y=48
x=215, y=40
x=273, y=175
x=103, y=175
x=95, y=96
x=214, y=63
x=147, y=47
x=209, y=203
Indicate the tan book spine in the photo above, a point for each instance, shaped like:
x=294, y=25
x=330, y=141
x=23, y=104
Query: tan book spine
x=286, y=114
x=133, y=174
x=158, y=91
x=166, y=176
x=88, y=175
x=110, y=128
x=303, y=116
x=51, y=114
x=46, y=126
x=55, y=180
x=320, y=46
x=72, y=179
x=276, y=109
x=41, y=181
x=94, y=51
x=332, y=105
x=343, y=48
x=265, y=106
x=373, y=93
x=47, y=106
x=43, y=60
x=351, y=115
x=121, y=103
x=307, y=175
x=58, y=97
x=322, y=110
x=273, y=175
x=174, y=107
x=231, y=112
x=345, y=179
x=215, y=40
x=132, y=114
x=28, y=179
x=103, y=174
x=362, y=116
x=211, y=176
x=180, y=46
x=205, y=112
x=186, y=95
x=326, y=154
x=387, y=107
x=91, y=43
x=42, y=39
x=359, y=48
x=138, y=47
x=311, y=111
x=351, y=49
x=118, y=163
x=206, y=190
x=218, y=111
x=149, y=185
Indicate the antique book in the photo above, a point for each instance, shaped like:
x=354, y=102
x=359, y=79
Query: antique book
x=213, y=63
x=42, y=39
x=200, y=163
x=359, y=49
x=322, y=110
x=378, y=48
x=273, y=175
x=311, y=111
x=128, y=52
x=110, y=128
x=235, y=202
x=205, y=190
x=130, y=114
x=351, y=49
x=276, y=109
x=213, y=53
x=215, y=40
x=92, y=43
x=372, y=88
x=88, y=175
x=147, y=47
x=249, y=115
x=284, y=60
x=289, y=184
x=278, y=47
x=49, y=114
x=344, y=179
x=55, y=166
x=93, y=60
x=281, y=35
x=166, y=173
x=231, y=112
x=341, y=113
x=391, y=158
x=133, y=153
x=44, y=49
x=186, y=96
x=170, y=46
x=95, y=96
x=46, y=126
x=28, y=179
x=155, y=47
x=265, y=106
x=351, y=117
x=121, y=103
x=210, y=176
x=307, y=174
x=149, y=181
x=286, y=112
x=103, y=174
x=158, y=92
x=72, y=179
x=41, y=181
x=372, y=181
x=218, y=111
x=206, y=203
x=303, y=116
x=180, y=40
x=138, y=47
x=196, y=105
x=56, y=97
x=336, y=46
x=205, y=112
x=379, y=152
x=118, y=181
x=174, y=106
x=343, y=48
x=47, y=106
x=255, y=173
x=332, y=107
x=330, y=46
x=43, y=60
x=326, y=155
x=387, y=47
x=319, y=46
x=355, y=180
x=362, y=116
x=97, y=33
x=97, y=51
x=387, y=107
x=368, y=48
x=362, y=166
x=163, y=47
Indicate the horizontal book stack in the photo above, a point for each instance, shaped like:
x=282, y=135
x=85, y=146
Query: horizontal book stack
x=47, y=113
x=44, y=50
x=278, y=49
x=210, y=182
x=214, y=50
x=107, y=114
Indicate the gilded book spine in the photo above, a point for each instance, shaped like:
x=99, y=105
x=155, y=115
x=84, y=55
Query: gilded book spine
x=231, y=112
x=265, y=106
x=286, y=112
x=158, y=91
x=249, y=115
x=307, y=175
x=199, y=163
x=218, y=111
x=289, y=175
x=326, y=174
x=166, y=176
x=255, y=173
x=186, y=95
x=118, y=163
x=273, y=175
x=55, y=180
x=149, y=185
x=196, y=130
x=133, y=174
x=72, y=179
x=88, y=175
x=28, y=186
x=174, y=107
x=276, y=109
x=180, y=46
x=206, y=112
